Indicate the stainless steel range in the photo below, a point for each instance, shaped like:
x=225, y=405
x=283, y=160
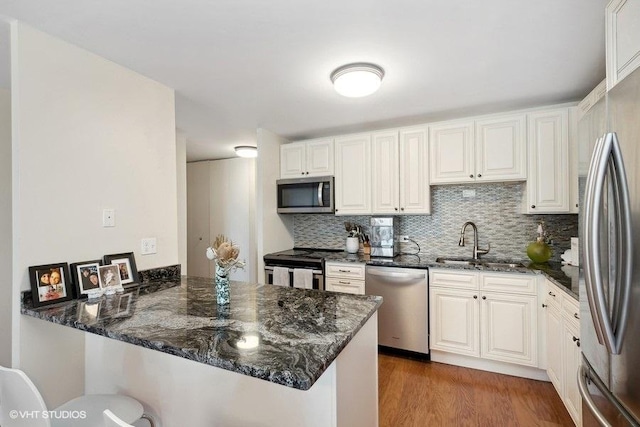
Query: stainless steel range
x=291, y=259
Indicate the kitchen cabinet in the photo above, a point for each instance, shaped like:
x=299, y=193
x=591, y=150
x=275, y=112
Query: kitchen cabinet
x=346, y=277
x=563, y=348
x=548, y=185
x=353, y=174
x=492, y=316
x=400, y=172
x=489, y=149
x=307, y=158
x=622, y=39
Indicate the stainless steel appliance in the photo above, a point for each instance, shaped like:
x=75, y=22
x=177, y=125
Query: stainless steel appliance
x=382, y=240
x=306, y=195
x=609, y=379
x=312, y=259
x=404, y=313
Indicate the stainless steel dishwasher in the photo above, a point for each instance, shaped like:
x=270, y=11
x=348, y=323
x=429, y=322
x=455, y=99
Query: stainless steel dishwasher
x=404, y=313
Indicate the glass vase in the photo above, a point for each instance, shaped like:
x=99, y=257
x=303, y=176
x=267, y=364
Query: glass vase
x=222, y=285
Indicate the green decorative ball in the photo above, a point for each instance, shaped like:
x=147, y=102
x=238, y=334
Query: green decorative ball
x=539, y=252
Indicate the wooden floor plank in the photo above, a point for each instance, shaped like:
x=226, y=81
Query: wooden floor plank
x=415, y=393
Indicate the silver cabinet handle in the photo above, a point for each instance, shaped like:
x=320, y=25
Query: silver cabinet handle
x=344, y=283
x=586, y=397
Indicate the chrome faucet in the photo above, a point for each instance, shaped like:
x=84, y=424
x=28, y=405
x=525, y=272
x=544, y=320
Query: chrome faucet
x=476, y=251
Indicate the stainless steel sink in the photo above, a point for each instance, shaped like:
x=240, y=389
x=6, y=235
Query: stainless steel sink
x=480, y=262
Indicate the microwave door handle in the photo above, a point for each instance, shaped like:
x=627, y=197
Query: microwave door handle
x=320, y=201
x=624, y=245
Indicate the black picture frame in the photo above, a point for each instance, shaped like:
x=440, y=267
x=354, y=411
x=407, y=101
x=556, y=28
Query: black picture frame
x=82, y=284
x=126, y=263
x=43, y=289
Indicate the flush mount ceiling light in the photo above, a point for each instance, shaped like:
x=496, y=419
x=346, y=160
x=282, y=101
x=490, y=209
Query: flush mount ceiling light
x=246, y=151
x=356, y=80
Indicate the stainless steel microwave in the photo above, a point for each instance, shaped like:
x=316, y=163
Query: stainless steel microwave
x=306, y=195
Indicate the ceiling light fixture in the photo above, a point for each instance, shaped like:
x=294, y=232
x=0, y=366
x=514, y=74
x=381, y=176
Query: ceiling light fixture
x=246, y=151
x=357, y=80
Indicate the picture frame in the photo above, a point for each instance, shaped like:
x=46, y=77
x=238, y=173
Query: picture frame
x=126, y=263
x=50, y=284
x=85, y=277
x=109, y=278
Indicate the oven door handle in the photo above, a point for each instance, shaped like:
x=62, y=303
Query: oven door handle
x=315, y=272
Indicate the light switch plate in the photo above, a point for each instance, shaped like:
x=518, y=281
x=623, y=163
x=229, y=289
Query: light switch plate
x=108, y=217
x=148, y=246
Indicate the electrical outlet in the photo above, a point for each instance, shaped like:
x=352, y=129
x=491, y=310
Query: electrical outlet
x=403, y=239
x=468, y=193
x=148, y=246
x=108, y=217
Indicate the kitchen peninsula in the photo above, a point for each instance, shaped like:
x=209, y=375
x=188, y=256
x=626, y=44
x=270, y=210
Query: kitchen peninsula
x=273, y=356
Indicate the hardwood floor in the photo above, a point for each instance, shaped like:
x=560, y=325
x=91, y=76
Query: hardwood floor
x=416, y=393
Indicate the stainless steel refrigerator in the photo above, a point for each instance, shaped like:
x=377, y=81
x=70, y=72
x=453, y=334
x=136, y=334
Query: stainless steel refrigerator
x=609, y=178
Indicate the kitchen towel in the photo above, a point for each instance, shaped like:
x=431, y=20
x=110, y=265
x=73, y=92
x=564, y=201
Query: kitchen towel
x=302, y=278
x=281, y=276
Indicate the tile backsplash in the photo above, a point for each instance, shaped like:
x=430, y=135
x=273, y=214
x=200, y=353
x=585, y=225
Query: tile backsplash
x=495, y=209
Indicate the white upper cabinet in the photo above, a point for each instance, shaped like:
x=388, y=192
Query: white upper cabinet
x=452, y=153
x=485, y=150
x=353, y=174
x=307, y=158
x=501, y=148
x=623, y=39
x=548, y=187
x=385, y=195
x=415, y=191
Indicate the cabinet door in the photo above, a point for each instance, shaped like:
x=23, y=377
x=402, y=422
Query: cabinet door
x=451, y=153
x=555, y=344
x=509, y=328
x=385, y=194
x=320, y=157
x=293, y=160
x=623, y=39
x=572, y=355
x=353, y=175
x=548, y=180
x=501, y=149
x=415, y=191
x=453, y=321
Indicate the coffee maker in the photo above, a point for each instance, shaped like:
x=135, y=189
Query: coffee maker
x=383, y=242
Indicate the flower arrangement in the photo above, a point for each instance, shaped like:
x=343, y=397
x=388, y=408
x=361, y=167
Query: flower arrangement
x=225, y=254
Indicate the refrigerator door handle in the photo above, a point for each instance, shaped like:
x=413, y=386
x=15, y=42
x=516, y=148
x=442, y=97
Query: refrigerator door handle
x=583, y=376
x=607, y=162
x=625, y=246
x=597, y=172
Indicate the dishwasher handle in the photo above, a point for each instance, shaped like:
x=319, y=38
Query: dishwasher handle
x=395, y=275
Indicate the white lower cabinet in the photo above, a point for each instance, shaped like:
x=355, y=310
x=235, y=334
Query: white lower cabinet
x=468, y=319
x=346, y=277
x=563, y=348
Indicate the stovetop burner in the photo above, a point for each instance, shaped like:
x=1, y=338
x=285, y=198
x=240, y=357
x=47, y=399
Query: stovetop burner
x=310, y=257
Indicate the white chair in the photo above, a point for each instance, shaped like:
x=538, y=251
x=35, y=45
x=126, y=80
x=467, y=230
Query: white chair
x=111, y=420
x=22, y=405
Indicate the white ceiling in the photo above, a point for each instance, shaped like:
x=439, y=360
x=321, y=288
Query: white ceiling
x=238, y=65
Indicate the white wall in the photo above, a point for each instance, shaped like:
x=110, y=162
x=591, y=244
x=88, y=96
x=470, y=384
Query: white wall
x=5, y=228
x=88, y=135
x=273, y=232
x=181, y=172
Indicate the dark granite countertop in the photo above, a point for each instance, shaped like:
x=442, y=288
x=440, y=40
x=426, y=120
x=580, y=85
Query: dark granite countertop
x=297, y=332
x=565, y=276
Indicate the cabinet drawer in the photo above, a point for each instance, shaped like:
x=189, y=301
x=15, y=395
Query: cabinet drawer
x=553, y=295
x=512, y=283
x=571, y=309
x=455, y=279
x=348, y=270
x=345, y=285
